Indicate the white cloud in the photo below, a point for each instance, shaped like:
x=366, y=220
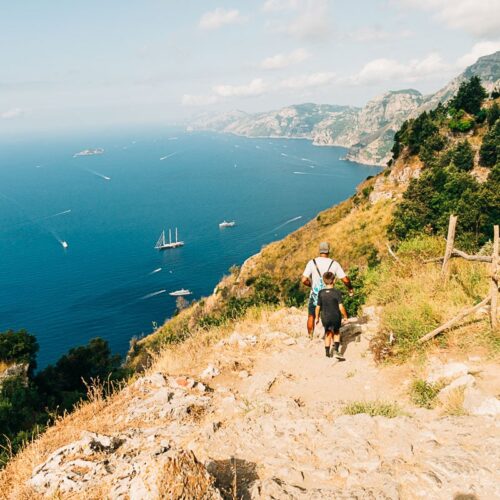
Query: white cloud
x=280, y=61
x=477, y=17
x=198, y=100
x=378, y=34
x=279, y=5
x=256, y=87
x=380, y=70
x=219, y=17
x=308, y=19
x=308, y=81
x=313, y=21
x=11, y=113
x=478, y=50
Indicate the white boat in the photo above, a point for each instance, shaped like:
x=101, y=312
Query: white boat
x=227, y=224
x=180, y=293
x=64, y=244
x=162, y=244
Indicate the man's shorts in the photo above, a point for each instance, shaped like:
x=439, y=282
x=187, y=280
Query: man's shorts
x=311, y=307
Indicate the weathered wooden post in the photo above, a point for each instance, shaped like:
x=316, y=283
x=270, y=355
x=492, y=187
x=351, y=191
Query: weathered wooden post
x=450, y=241
x=494, y=279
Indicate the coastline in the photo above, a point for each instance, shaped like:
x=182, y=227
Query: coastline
x=306, y=138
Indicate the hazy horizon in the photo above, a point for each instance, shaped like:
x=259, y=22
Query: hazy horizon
x=85, y=66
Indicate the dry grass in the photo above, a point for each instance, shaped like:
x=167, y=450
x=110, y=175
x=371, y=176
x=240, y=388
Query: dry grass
x=416, y=300
x=88, y=416
x=101, y=415
x=352, y=232
x=192, y=355
x=3, y=366
x=453, y=405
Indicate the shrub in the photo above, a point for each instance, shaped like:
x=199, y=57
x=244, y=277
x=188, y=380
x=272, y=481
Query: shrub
x=373, y=409
x=461, y=122
x=18, y=347
x=463, y=156
x=470, y=96
x=488, y=154
x=493, y=114
x=424, y=394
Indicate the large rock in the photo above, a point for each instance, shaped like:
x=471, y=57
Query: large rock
x=137, y=465
x=449, y=372
x=477, y=403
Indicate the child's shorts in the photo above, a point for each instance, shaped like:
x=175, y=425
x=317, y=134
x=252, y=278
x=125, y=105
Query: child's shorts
x=332, y=326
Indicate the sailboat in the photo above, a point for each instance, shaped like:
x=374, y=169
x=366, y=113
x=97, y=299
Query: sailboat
x=162, y=244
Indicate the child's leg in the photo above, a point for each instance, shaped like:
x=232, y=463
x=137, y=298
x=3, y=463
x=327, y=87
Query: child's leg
x=328, y=341
x=336, y=340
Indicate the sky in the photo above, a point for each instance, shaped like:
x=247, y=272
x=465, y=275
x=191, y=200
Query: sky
x=68, y=64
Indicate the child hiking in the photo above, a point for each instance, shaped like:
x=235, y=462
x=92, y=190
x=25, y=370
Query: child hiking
x=313, y=277
x=330, y=308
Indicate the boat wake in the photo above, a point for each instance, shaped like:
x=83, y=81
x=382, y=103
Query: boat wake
x=155, y=271
x=168, y=156
x=312, y=173
x=149, y=295
x=285, y=223
x=97, y=174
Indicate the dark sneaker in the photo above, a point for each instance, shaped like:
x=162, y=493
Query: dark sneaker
x=339, y=356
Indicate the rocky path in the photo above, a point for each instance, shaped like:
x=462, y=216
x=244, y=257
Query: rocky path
x=263, y=416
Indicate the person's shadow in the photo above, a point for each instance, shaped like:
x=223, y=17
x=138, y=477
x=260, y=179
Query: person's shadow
x=350, y=332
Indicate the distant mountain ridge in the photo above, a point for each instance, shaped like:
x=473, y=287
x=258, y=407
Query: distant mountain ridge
x=368, y=132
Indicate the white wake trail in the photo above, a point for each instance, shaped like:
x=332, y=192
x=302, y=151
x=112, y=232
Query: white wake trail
x=168, y=156
x=155, y=271
x=149, y=295
x=285, y=223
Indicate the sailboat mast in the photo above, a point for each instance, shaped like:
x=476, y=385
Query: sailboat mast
x=170, y=236
x=176, y=235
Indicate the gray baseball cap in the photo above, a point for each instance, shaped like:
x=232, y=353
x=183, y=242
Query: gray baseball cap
x=324, y=247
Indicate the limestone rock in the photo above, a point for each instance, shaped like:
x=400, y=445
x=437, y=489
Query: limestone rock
x=477, y=403
x=210, y=372
x=132, y=465
x=463, y=381
x=450, y=371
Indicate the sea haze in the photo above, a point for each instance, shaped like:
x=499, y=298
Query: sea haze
x=104, y=283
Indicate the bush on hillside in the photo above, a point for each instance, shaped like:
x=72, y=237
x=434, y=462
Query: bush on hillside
x=461, y=122
x=63, y=384
x=439, y=192
x=490, y=148
x=18, y=347
x=470, y=96
x=493, y=114
x=463, y=156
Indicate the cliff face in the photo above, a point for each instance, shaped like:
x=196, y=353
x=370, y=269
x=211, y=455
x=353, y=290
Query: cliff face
x=368, y=131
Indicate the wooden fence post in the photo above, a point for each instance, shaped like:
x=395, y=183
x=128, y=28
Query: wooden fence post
x=494, y=279
x=450, y=241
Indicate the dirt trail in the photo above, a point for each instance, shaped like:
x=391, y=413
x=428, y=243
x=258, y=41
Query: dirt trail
x=264, y=415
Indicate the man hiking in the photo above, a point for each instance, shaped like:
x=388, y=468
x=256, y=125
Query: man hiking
x=313, y=277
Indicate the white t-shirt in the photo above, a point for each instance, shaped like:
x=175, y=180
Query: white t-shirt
x=317, y=279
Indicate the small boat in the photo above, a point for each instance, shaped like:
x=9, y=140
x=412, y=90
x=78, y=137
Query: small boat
x=162, y=244
x=227, y=224
x=180, y=293
x=64, y=244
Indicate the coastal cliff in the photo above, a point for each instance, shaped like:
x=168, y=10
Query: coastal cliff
x=368, y=132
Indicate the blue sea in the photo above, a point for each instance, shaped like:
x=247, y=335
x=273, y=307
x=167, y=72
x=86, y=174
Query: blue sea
x=111, y=208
